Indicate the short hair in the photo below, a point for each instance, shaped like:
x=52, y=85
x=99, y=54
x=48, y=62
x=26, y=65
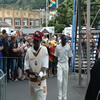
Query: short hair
x=12, y=38
x=62, y=36
x=3, y=31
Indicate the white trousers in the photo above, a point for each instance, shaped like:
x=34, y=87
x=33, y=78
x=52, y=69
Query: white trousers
x=38, y=93
x=62, y=78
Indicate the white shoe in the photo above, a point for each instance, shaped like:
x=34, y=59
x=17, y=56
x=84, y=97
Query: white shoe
x=16, y=80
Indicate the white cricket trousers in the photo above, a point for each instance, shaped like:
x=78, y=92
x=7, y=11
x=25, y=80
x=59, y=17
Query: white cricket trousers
x=62, y=79
x=37, y=93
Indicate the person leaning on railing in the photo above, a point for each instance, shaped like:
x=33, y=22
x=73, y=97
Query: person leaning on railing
x=5, y=50
x=14, y=54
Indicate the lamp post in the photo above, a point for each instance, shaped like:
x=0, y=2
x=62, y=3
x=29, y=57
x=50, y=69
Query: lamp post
x=43, y=15
x=46, y=13
x=40, y=17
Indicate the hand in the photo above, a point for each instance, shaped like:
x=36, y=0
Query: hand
x=39, y=80
x=18, y=49
x=36, y=74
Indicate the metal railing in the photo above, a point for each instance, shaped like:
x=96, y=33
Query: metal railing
x=3, y=84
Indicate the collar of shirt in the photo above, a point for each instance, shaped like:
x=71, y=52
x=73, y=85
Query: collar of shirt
x=37, y=50
x=62, y=46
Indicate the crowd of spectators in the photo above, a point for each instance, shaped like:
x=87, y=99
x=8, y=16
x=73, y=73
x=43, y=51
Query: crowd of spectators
x=13, y=49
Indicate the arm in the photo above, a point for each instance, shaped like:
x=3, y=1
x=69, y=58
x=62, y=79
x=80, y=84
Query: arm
x=70, y=55
x=56, y=60
x=44, y=66
x=56, y=56
x=45, y=63
x=69, y=61
x=1, y=47
x=15, y=49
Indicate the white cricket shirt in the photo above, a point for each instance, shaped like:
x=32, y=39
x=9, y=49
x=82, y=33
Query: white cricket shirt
x=36, y=62
x=63, y=53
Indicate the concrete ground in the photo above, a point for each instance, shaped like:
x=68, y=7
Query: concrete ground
x=20, y=90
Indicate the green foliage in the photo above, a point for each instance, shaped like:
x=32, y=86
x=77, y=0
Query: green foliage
x=44, y=25
x=59, y=28
x=94, y=9
x=32, y=4
x=63, y=17
x=52, y=22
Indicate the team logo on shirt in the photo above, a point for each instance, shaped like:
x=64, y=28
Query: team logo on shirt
x=59, y=49
x=32, y=59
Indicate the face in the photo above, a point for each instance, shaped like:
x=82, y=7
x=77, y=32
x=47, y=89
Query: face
x=29, y=41
x=14, y=40
x=63, y=40
x=36, y=43
x=16, y=34
x=21, y=34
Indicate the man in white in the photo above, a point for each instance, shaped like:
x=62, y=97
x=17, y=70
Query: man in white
x=62, y=52
x=36, y=63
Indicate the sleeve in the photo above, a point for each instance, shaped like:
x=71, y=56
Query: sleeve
x=56, y=52
x=26, y=62
x=70, y=52
x=1, y=44
x=45, y=59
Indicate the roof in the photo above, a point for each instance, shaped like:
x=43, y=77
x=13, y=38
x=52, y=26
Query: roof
x=45, y=31
x=4, y=24
x=49, y=29
x=30, y=31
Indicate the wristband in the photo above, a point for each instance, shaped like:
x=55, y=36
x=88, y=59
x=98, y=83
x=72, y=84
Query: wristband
x=41, y=74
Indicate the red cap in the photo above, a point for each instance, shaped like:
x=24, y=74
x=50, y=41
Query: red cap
x=37, y=35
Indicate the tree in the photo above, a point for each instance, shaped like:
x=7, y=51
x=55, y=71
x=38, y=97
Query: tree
x=59, y=28
x=64, y=13
x=52, y=22
x=44, y=25
x=64, y=16
x=94, y=9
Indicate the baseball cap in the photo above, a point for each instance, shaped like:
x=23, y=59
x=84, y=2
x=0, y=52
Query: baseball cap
x=37, y=35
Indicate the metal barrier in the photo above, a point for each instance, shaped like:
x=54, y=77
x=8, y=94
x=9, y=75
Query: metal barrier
x=3, y=84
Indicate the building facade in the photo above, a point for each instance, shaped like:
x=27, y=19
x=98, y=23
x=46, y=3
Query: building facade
x=19, y=19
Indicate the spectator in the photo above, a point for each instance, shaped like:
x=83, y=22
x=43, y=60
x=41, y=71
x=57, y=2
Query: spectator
x=28, y=43
x=68, y=37
x=1, y=57
x=21, y=36
x=14, y=53
x=21, y=60
x=17, y=36
x=5, y=50
x=45, y=38
x=8, y=39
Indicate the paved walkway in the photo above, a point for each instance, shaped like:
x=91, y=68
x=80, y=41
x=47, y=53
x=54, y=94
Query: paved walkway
x=20, y=90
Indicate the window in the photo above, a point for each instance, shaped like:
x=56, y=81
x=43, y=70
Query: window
x=17, y=22
x=8, y=21
x=24, y=22
x=31, y=22
x=37, y=22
